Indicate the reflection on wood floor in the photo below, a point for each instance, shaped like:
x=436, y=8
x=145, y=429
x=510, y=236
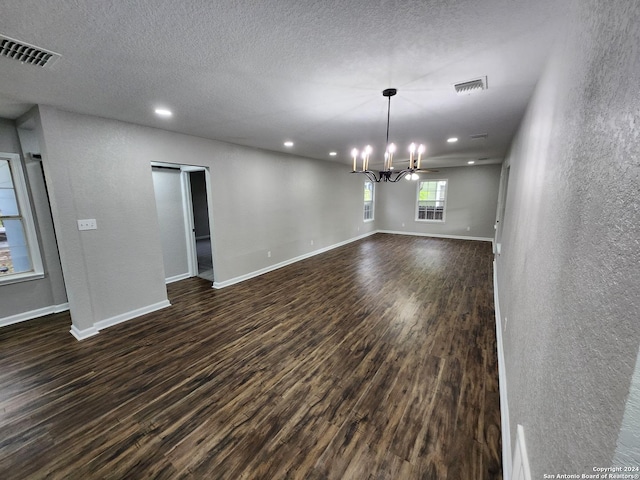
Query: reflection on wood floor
x=375, y=360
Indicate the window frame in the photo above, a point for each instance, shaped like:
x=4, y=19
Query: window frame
x=372, y=202
x=25, y=214
x=444, y=201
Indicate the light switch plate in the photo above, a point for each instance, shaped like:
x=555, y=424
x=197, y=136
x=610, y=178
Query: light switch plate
x=87, y=224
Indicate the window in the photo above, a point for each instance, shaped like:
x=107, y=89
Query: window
x=432, y=196
x=19, y=252
x=368, y=201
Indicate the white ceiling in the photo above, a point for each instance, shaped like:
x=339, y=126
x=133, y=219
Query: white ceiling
x=260, y=72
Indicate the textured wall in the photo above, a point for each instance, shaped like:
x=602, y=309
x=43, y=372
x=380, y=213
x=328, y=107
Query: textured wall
x=471, y=202
x=265, y=201
x=44, y=292
x=97, y=168
x=568, y=274
x=9, y=142
x=167, y=187
x=262, y=201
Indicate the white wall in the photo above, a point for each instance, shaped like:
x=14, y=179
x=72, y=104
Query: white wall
x=18, y=299
x=167, y=186
x=95, y=168
x=262, y=201
x=471, y=202
x=568, y=275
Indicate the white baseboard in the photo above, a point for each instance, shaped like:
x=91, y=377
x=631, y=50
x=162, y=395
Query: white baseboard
x=30, y=315
x=276, y=266
x=270, y=268
x=82, y=334
x=177, y=278
x=109, y=322
x=123, y=317
x=63, y=307
x=419, y=234
x=502, y=378
x=521, y=469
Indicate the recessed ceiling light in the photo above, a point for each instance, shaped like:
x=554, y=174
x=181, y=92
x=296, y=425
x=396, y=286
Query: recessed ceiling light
x=163, y=112
x=471, y=162
x=288, y=143
x=333, y=154
x=452, y=139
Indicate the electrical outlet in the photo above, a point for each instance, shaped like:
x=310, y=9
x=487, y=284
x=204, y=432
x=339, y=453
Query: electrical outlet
x=505, y=324
x=269, y=254
x=87, y=224
x=468, y=229
x=403, y=224
x=311, y=242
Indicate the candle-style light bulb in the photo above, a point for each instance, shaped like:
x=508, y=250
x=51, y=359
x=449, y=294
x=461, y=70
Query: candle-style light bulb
x=354, y=154
x=391, y=149
x=412, y=150
x=364, y=160
x=421, y=150
x=367, y=150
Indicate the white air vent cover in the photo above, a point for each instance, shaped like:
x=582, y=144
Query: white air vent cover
x=25, y=53
x=471, y=86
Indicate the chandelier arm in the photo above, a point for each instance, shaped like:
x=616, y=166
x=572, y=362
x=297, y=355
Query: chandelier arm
x=370, y=175
x=400, y=175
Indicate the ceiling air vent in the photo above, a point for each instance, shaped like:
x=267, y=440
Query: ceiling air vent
x=479, y=136
x=472, y=86
x=25, y=53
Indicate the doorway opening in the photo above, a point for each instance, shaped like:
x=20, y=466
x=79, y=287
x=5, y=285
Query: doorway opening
x=502, y=205
x=183, y=200
x=201, y=228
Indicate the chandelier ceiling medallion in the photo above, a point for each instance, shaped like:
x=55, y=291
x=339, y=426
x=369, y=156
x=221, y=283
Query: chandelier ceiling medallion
x=388, y=173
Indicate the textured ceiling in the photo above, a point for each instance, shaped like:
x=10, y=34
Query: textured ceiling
x=261, y=72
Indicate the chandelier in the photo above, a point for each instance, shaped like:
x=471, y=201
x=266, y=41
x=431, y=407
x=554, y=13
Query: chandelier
x=388, y=173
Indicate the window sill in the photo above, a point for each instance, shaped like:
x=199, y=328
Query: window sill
x=424, y=220
x=368, y=221
x=21, y=277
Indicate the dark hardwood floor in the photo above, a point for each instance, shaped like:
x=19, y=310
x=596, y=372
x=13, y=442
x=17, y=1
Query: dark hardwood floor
x=376, y=360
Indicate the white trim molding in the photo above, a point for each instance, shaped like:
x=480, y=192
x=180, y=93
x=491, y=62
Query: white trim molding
x=435, y=235
x=502, y=380
x=177, y=278
x=123, y=317
x=521, y=470
x=30, y=315
x=270, y=268
x=83, y=334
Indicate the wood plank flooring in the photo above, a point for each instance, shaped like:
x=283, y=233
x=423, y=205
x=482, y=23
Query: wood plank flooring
x=376, y=360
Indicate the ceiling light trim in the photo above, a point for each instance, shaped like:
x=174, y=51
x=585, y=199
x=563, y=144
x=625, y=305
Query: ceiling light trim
x=163, y=112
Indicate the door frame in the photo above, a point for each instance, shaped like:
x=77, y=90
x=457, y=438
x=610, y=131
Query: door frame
x=187, y=208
